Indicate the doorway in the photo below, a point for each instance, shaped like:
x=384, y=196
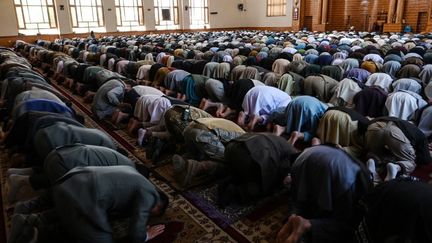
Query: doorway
x=307, y=23
x=421, y=22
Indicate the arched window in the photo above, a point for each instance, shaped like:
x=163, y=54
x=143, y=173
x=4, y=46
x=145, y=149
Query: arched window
x=36, y=17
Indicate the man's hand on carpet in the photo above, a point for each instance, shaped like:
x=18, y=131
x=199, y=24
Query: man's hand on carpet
x=154, y=231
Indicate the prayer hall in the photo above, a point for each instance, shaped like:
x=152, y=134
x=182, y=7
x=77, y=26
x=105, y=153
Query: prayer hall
x=287, y=121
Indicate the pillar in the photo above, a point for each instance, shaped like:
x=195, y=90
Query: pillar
x=400, y=11
x=391, y=11
x=324, y=12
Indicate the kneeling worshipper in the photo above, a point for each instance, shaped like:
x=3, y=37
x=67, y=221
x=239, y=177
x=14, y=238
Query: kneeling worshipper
x=425, y=121
x=339, y=126
x=205, y=139
x=320, y=86
x=299, y=119
x=59, y=134
x=327, y=185
x=103, y=194
x=258, y=103
x=231, y=102
x=22, y=131
x=255, y=173
x=149, y=111
x=396, y=144
x=403, y=104
x=108, y=97
x=397, y=211
x=58, y=162
x=370, y=101
x=174, y=122
x=125, y=109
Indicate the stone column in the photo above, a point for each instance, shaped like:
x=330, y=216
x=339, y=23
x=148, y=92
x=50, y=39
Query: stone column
x=391, y=11
x=324, y=11
x=399, y=11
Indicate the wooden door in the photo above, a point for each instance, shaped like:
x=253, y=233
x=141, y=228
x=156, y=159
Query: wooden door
x=307, y=23
x=421, y=22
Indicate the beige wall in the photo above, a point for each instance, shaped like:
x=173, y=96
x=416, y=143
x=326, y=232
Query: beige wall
x=228, y=16
x=63, y=17
x=8, y=22
x=257, y=15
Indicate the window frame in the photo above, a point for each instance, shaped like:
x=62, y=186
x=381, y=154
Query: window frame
x=205, y=10
x=51, y=15
x=75, y=12
x=174, y=8
x=271, y=4
x=138, y=8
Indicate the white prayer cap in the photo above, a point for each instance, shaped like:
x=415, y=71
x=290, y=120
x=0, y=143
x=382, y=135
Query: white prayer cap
x=395, y=37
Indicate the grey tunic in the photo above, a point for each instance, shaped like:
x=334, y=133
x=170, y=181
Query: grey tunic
x=108, y=96
x=60, y=134
x=87, y=196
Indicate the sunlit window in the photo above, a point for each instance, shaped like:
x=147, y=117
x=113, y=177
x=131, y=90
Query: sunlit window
x=166, y=14
x=36, y=17
x=199, y=14
x=276, y=8
x=86, y=16
x=130, y=15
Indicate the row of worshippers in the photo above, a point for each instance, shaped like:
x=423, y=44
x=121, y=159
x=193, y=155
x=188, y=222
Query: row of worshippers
x=305, y=77
x=263, y=103
x=388, y=130
x=64, y=161
x=404, y=101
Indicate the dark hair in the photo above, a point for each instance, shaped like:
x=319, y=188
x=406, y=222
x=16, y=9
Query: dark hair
x=163, y=201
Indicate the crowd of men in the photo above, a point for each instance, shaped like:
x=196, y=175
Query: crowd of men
x=343, y=112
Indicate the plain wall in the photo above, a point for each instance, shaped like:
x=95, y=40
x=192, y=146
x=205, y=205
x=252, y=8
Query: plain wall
x=228, y=15
x=8, y=21
x=257, y=15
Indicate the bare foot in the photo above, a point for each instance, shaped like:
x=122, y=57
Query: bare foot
x=228, y=111
x=207, y=104
x=147, y=83
x=299, y=227
x=278, y=130
x=88, y=98
x=220, y=110
x=202, y=103
x=241, y=119
x=295, y=136
x=133, y=125
x=121, y=116
x=168, y=92
x=316, y=141
x=252, y=123
x=114, y=116
x=154, y=231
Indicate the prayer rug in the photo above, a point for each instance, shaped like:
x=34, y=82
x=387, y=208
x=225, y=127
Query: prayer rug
x=257, y=222
x=200, y=219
